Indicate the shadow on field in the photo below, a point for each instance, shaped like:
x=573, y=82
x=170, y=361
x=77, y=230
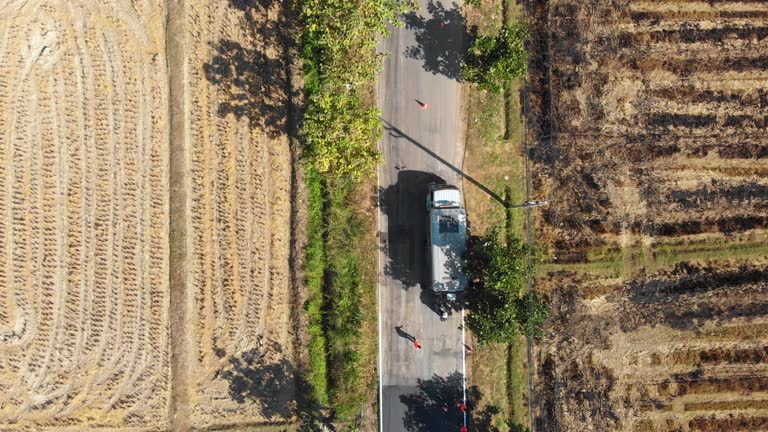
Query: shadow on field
x=254, y=375
x=435, y=407
x=253, y=74
x=442, y=39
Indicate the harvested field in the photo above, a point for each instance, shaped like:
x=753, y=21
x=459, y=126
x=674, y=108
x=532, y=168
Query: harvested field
x=145, y=230
x=649, y=133
x=651, y=127
x=84, y=334
x=238, y=221
x=680, y=350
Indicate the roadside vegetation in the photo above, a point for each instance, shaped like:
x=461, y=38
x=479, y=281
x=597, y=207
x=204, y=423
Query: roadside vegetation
x=500, y=268
x=494, y=155
x=494, y=60
x=339, y=133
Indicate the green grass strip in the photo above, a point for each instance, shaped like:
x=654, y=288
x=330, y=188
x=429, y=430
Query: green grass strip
x=315, y=274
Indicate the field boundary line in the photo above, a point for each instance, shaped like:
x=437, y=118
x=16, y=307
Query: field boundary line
x=180, y=338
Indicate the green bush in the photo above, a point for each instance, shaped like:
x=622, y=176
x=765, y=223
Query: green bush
x=494, y=60
x=339, y=135
x=499, y=307
x=315, y=274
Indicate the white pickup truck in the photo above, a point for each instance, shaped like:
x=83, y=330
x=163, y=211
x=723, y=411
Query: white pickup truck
x=447, y=222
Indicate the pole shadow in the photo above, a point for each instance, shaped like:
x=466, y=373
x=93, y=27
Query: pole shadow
x=442, y=38
x=397, y=133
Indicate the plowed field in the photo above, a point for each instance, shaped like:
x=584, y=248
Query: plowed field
x=238, y=223
x=145, y=217
x=84, y=334
x=650, y=134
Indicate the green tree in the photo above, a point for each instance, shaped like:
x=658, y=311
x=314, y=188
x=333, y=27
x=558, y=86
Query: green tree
x=532, y=310
x=494, y=60
x=516, y=427
x=340, y=134
x=343, y=35
x=499, y=270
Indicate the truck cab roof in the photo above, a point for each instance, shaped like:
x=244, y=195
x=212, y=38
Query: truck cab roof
x=444, y=196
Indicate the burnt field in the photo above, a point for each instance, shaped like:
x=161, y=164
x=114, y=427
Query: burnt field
x=648, y=125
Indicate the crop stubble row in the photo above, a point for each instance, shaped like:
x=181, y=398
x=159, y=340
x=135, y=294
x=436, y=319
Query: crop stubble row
x=84, y=221
x=651, y=127
x=239, y=207
x=631, y=96
x=652, y=360
x=84, y=247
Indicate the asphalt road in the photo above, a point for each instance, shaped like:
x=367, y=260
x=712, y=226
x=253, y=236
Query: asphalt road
x=419, y=388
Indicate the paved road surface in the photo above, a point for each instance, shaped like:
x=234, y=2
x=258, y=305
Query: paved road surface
x=419, y=146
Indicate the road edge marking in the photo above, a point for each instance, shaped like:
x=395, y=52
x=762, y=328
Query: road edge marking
x=464, y=363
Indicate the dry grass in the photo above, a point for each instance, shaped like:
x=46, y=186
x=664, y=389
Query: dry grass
x=494, y=156
x=86, y=304
x=84, y=328
x=650, y=137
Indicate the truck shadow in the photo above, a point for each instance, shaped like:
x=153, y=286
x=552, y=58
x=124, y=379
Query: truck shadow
x=405, y=243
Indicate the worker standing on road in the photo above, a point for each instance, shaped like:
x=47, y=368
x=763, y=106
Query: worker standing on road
x=416, y=344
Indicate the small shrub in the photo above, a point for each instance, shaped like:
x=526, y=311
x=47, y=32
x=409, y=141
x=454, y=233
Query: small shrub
x=494, y=60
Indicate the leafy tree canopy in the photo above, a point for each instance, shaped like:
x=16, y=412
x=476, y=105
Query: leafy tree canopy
x=339, y=31
x=499, y=271
x=496, y=59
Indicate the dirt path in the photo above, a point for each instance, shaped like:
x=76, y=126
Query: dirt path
x=180, y=327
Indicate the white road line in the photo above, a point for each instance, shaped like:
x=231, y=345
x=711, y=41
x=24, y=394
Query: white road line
x=378, y=301
x=464, y=363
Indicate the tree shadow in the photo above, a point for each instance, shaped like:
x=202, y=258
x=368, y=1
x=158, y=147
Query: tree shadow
x=264, y=376
x=442, y=39
x=405, y=247
x=435, y=406
x=253, y=77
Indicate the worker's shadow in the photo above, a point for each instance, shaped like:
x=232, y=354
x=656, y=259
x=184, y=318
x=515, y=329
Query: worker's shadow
x=405, y=242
